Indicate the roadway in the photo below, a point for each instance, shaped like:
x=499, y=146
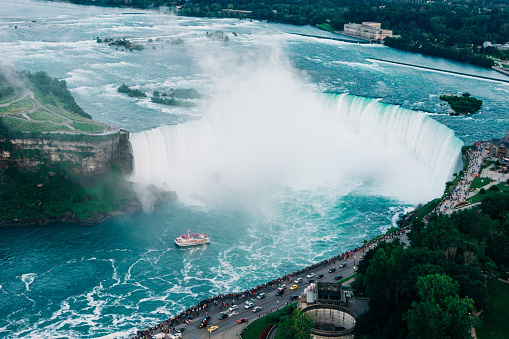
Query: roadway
x=229, y=328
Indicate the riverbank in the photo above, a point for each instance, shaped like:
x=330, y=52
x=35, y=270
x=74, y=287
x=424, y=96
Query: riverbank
x=213, y=306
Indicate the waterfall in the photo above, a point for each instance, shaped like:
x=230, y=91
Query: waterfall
x=430, y=142
x=292, y=137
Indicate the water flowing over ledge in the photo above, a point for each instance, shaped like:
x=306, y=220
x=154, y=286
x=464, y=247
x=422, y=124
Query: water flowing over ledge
x=315, y=140
x=430, y=142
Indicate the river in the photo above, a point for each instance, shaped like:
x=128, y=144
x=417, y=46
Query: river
x=299, y=149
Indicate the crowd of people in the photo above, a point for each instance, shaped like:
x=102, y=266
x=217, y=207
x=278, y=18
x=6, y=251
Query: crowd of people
x=220, y=302
x=460, y=192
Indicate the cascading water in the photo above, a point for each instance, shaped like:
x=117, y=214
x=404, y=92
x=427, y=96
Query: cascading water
x=429, y=141
x=271, y=132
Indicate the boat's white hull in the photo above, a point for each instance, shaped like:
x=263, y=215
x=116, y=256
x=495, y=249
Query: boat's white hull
x=194, y=243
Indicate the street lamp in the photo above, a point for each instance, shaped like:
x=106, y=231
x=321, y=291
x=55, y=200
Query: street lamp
x=277, y=306
x=354, y=260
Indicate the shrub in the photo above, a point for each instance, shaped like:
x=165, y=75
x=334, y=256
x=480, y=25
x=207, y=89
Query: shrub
x=482, y=191
x=494, y=188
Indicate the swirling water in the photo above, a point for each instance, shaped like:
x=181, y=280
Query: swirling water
x=277, y=174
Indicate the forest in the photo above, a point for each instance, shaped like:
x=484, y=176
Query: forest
x=442, y=275
x=450, y=29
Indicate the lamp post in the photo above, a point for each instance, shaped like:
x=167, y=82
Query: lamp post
x=277, y=305
x=208, y=329
x=354, y=260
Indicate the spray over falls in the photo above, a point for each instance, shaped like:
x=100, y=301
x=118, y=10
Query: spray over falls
x=277, y=134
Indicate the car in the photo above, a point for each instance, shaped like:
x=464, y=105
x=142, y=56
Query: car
x=261, y=296
x=223, y=316
x=250, y=300
x=176, y=336
x=338, y=277
x=282, y=287
x=319, y=276
x=293, y=287
x=233, y=308
x=332, y=269
x=343, y=264
x=212, y=328
x=280, y=292
x=181, y=329
x=257, y=309
x=294, y=297
x=298, y=280
x=310, y=275
x=309, y=281
x=249, y=305
x=203, y=324
x=361, y=257
x=206, y=318
x=241, y=320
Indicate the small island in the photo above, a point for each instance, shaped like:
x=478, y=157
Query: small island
x=124, y=43
x=462, y=104
x=133, y=93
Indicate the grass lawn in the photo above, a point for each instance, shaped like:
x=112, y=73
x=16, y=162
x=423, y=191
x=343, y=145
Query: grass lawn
x=479, y=197
x=480, y=182
x=31, y=126
x=326, y=27
x=16, y=107
x=254, y=329
x=426, y=209
x=9, y=98
x=43, y=115
x=84, y=127
x=495, y=317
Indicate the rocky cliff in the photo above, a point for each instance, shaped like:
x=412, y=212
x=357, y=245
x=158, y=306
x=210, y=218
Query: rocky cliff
x=81, y=155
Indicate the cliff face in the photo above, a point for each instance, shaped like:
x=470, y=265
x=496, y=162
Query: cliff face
x=84, y=156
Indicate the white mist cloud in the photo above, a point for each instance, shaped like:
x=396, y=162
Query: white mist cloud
x=268, y=129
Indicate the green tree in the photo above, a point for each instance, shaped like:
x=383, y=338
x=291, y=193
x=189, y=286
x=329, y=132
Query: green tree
x=440, y=313
x=298, y=326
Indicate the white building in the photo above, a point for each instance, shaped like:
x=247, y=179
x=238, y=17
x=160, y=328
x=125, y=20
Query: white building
x=368, y=30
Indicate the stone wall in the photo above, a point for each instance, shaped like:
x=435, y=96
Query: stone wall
x=82, y=155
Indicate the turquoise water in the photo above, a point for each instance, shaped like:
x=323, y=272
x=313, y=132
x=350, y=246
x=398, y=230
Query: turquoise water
x=276, y=173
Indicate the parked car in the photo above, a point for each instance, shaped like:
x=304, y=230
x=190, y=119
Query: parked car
x=261, y=296
x=257, y=309
x=332, y=269
x=310, y=275
x=338, y=277
x=223, y=316
x=241, y=320
x=294, y=297
x=298, y=280
x=343, y=264
x=233, y=308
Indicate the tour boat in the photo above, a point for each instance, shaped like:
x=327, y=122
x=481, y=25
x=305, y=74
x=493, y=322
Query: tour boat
x=192, y=239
